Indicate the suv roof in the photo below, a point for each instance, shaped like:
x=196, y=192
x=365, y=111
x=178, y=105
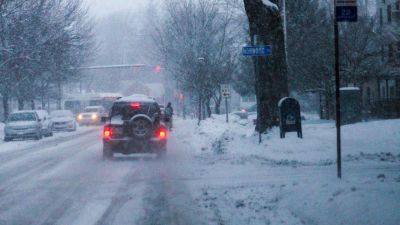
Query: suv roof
x=136, y=98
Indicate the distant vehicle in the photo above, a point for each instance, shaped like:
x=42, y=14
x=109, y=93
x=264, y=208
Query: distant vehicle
x=78, y=102
x=252, y=109
x=134, y=126
x=23, y=124
x=91, y=115
x=47, y=123
x=63, y=120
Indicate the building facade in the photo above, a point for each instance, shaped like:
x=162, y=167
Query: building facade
x=381, y=92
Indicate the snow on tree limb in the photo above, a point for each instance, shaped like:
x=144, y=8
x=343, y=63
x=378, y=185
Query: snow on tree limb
x=270, y=5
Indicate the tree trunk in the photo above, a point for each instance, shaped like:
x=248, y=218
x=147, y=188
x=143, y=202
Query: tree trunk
x=217, y=104
x=270, y=71
x=208, y=107
x=20, y=103
x=199, y=109
x=5, y=104
x=204, y=109
x=33, y=104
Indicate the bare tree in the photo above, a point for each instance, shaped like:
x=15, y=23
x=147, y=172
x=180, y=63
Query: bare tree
x=196, y=41
x=43, y=41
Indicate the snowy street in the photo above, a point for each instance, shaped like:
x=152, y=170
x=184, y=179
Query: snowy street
x=64, y=180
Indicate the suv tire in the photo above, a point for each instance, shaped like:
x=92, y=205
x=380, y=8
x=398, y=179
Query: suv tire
x=7, y=139
x=107, y=152
x=141, y=128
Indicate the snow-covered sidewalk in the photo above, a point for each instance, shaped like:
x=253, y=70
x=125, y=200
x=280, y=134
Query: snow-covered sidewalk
x=292, y=180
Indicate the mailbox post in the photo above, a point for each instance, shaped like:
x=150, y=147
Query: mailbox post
x=289, y=117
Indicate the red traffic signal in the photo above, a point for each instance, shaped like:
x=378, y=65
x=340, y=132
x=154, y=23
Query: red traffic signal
x=158, y=68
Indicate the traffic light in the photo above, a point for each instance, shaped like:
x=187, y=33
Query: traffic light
x=181, y=96
x=158, y=68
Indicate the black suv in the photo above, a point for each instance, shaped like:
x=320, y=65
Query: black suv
x=134, y=125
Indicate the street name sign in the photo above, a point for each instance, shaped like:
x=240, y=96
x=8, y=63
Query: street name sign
x=346, y=10
x=225, y=91
x=257, y=50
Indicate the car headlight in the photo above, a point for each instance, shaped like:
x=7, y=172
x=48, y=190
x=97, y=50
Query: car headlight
x=94, y=116
x=79, y=117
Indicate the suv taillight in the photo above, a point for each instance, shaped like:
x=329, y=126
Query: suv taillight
x=107, y=133
x=162, y=133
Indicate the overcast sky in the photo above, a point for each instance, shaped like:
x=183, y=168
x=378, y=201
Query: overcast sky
x=100, y=8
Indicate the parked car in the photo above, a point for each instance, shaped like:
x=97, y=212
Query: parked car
x=91, y=115
x=47, y=123
x=134, y=126
x=23, y=124
x=63, y=120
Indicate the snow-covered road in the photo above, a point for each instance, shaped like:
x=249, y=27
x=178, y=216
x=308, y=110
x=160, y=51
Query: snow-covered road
x=67, y=182
x=63, y=180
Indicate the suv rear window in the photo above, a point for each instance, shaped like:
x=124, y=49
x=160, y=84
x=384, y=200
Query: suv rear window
x=127, y=111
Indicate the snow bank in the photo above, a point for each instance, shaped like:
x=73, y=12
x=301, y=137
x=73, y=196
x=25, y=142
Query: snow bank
x=318, y=146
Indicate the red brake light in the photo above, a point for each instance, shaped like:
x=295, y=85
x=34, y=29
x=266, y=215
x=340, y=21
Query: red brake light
x=135, y=105
x=162, y=133
x=107, y=132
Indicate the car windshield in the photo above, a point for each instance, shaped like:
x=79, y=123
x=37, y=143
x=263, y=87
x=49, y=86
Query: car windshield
x=92, y=110
x=60, y=114
x=22, y=117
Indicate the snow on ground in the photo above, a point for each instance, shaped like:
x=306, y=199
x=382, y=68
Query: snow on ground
x=292, y=180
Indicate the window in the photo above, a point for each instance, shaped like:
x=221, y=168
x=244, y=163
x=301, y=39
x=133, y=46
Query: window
x=398, y=49
x=368, y=92
x=397, y=88
x=391, y=93
x=398, y=5
x=389, y=13
x=380, y=16
x=390, y=52
x=383, y=92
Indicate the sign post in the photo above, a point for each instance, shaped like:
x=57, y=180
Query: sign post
x=345, y=11
x=226, y=93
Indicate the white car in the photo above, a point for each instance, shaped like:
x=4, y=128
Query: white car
x=23, y=124
x=63, y=120
x=92, y=115
x=47, y=123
